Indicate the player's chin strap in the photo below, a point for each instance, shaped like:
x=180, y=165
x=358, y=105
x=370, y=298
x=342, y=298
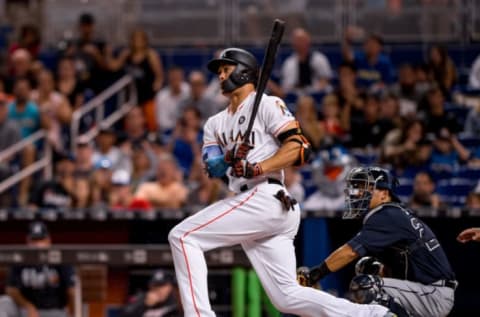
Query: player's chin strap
x=296, y=135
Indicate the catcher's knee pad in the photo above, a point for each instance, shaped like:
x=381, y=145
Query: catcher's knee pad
x=368, y=265
x=366, y=288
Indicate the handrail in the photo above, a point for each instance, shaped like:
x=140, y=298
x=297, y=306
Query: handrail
x=104, y=95
x=126, y=83
x=121, y=87
x=17, y=147
x=109, y=121
x=44, y=163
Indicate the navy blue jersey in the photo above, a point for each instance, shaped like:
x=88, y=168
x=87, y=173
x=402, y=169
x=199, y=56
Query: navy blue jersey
x=403, y=243
x=45, y=286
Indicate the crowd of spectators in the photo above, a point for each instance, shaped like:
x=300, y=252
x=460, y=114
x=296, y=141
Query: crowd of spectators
x=405, y=118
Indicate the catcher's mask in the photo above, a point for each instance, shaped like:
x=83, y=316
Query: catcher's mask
x=360, y=184
x=358, y=192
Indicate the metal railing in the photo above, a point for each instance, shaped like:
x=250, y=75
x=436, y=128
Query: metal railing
x=43, y=163
x=125, y=91
x=248, y=22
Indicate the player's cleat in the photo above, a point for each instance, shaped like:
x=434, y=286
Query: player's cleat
x=398, y=309
x=394, y=307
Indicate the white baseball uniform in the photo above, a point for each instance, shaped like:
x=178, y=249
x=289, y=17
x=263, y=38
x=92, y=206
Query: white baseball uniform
x=256, y=220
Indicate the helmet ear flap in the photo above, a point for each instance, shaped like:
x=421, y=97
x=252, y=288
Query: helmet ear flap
x=240, y=76
x=243, y=76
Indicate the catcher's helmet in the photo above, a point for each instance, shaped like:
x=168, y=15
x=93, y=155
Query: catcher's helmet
x=360, y=183
x=246, y=70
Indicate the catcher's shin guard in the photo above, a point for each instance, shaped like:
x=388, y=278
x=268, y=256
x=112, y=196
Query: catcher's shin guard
x=367, y=289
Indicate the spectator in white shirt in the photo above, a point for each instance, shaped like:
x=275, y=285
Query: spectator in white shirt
x=198, y=98
x=305, y=69
x=167, y=100
x=106, y=150
x=474, y=80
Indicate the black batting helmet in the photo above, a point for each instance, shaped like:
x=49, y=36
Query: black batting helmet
x=246, y=70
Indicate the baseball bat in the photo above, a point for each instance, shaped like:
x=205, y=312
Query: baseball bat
x=265, y=71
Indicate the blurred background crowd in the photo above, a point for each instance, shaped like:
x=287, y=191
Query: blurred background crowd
x=394, y=83
x=357, y=104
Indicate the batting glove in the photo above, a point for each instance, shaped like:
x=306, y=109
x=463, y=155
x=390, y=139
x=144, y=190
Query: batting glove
x=245, y=169
x=242, y=151
x=303, y=276
x=216, y=166
x=237, y=153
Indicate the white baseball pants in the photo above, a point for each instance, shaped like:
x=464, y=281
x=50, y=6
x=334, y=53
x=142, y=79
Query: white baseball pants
x=256, y=220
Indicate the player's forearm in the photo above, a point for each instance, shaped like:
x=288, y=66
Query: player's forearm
x=286, y=156
x=341, y=257
x=337, y=260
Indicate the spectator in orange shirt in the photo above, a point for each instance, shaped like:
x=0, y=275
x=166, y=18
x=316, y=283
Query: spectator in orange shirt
x=331, y=117
x=167, y=191
x=121, y=193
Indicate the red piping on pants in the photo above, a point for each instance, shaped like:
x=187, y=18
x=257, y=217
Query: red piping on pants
x=198, y=228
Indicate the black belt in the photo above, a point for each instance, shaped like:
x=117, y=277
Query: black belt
x=275, y=181
x=446, y=283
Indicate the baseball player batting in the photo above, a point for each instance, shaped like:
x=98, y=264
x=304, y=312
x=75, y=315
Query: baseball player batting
x=403, y=264
x=261, y=217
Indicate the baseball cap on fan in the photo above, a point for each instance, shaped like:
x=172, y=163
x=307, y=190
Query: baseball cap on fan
x=160, y=278
x=37, y=231
x=121, y=178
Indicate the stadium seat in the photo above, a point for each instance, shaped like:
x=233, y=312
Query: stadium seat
x=469, y=141
x=454, y=191
x=405, y=187
x=365, y=157
x=307, y=181
x=318, y=97
x=470, y=173
x=291, y=101
x=460, y=112
x=441, y=171
x=470, y=91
